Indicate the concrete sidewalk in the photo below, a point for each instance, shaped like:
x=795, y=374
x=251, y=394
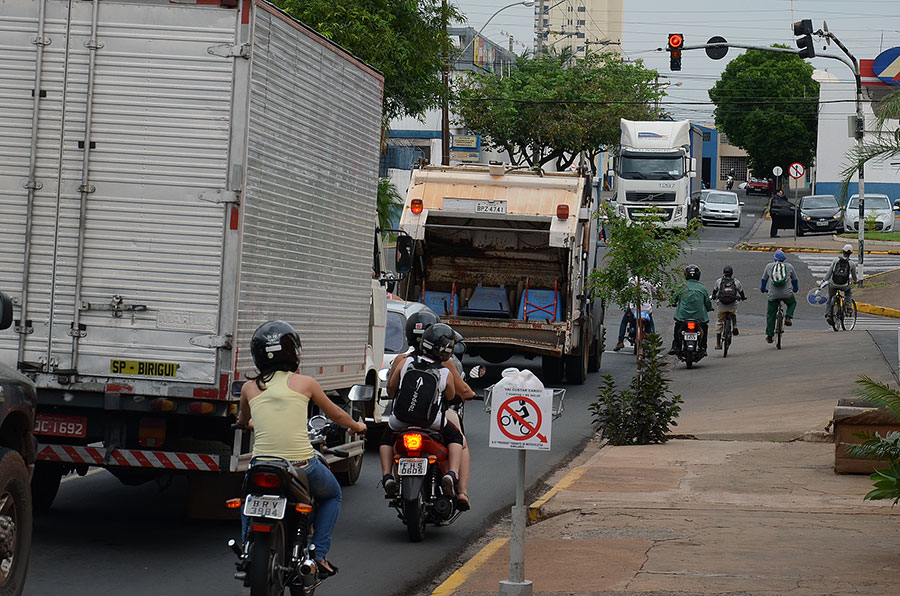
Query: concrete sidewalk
x=727, y=515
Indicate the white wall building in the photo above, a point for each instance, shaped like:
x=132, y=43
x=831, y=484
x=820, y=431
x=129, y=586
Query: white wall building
x=581, y=25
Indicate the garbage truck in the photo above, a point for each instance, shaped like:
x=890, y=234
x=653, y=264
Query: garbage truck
x=503, y=255
x=173, y=175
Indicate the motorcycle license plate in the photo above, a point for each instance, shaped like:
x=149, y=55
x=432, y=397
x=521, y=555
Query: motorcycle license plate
x=691, y=336
x=412, y=466
x=265, y=506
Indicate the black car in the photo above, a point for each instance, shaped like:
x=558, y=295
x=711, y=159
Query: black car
x=819, y=213
x=17, y=452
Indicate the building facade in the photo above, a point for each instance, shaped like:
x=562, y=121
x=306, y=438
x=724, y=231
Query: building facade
x=581, y=25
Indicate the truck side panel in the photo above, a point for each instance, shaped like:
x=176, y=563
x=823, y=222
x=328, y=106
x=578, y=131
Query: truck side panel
x=309, y=203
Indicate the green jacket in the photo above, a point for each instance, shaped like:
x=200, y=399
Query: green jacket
x=692, y=302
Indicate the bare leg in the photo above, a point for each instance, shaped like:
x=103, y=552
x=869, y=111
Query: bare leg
x=386, y=452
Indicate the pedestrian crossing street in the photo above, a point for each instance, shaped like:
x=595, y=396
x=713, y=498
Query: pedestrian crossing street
x=818, y=263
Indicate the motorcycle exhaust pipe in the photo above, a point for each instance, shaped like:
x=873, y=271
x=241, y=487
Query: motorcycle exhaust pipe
x=233, y=545
x=308, y=568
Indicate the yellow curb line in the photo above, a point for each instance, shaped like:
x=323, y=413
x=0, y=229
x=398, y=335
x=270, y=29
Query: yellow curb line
x=763, y=248
x=878, y=310
x=472, y=565
x=534, y=510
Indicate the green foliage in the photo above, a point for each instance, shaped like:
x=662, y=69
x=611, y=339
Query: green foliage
x=883, y=145
x=886, y=482
x=388, y=205
x=642, y=413
x=871, y=221
x=639, y=249
x=553, y=107
x=403, y=39
x=767, y=103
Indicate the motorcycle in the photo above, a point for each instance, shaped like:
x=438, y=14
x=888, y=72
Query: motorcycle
x=691, y=345
x=276, y=551
x=631, y=332
x=730, y=183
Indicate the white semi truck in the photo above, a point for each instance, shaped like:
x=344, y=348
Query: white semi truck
x=503, y=256
x=172, y=175
x=656, y=171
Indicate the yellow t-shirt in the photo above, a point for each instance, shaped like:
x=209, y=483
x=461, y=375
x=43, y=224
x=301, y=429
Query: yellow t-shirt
x=279, y=421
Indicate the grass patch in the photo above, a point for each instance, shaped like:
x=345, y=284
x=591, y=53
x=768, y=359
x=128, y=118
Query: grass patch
x=875, y=284
x=889, y=236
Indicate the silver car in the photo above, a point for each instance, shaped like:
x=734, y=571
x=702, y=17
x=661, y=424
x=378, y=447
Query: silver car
x=879, y=212
x=720, y=206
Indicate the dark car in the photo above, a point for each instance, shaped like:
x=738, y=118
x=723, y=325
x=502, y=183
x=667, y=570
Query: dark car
x=759, y=186
x=819, y=213
x=17, y=452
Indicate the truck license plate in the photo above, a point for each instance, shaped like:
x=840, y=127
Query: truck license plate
x=490, y=207
x=691, y=336
x=265, y=506
x=412, y=466
x=53, y=425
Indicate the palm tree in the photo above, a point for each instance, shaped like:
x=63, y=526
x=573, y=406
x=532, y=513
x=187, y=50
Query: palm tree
x=884, y=145
x=886, y=482
x=388, y=204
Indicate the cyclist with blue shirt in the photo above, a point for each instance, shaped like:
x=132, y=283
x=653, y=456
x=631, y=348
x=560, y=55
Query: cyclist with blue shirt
x=779, y=272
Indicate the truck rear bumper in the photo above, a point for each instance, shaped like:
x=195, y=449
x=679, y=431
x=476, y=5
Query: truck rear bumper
x=131, y=458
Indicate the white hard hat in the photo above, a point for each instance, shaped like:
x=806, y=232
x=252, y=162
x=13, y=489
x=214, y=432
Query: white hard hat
x=848, y=248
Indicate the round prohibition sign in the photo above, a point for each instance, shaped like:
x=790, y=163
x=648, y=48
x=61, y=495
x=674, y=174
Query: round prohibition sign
x=530, y=429
x=796, y=170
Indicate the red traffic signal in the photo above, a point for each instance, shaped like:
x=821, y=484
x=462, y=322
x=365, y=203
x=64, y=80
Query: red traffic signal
x=676, y=40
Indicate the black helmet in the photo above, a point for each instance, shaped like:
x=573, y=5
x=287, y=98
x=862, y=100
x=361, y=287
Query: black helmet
x=416, y=325
x=692, y=272
x=727, y=271
x=438, y=341
x=275, y=346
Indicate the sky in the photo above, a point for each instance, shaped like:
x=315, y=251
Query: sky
x=866, y=27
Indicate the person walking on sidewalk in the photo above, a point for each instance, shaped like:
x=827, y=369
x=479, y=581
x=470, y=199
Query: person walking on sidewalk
x=839, y=276
x=692, y=303
x=779, y=272
x=727, y=292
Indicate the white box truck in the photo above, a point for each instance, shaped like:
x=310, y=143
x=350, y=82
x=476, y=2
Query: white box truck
x=172, y=175
x=656, y=171
x=503, y=256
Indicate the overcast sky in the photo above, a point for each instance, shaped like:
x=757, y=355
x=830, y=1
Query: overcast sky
x=866, y=27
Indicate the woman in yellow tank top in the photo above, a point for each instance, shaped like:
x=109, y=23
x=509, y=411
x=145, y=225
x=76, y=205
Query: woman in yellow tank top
x=277, y=401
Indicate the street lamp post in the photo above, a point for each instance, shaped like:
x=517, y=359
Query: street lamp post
x=445, y=104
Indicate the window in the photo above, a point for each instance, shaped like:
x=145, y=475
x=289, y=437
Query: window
x=707, y=137
x=738, y=164
x=395, y=334
x=582, y=9
x=580, y=36
x=580, y=22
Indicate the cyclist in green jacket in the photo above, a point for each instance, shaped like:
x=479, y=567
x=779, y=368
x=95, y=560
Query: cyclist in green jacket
x=692, y=303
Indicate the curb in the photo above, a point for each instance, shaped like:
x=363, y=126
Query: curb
x=872, y=309
x=535, y=513
x=765, y=248
x=458, y=577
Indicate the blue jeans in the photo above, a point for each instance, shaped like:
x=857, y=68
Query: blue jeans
x=327, y=494
x=650, y=327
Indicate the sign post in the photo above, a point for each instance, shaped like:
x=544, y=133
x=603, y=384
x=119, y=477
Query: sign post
x=521, y=420
x=796, y=170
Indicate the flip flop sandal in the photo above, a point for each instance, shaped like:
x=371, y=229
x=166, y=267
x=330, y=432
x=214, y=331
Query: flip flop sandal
x=463, y=505
x=324, y=572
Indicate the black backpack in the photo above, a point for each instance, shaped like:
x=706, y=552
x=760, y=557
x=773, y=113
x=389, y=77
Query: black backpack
x=727, y=293
x=418, y=399
x=841, y=274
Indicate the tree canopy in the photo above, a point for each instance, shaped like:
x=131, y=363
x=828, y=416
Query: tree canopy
x=767, y=103
x=403, y=39
x=553, y=108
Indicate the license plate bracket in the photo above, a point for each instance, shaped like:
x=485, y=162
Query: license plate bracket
x=412, y=466
x=60, y=425
x=270, y=506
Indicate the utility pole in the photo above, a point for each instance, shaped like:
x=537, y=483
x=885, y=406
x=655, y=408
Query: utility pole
x=540, y=30
x=445, y=101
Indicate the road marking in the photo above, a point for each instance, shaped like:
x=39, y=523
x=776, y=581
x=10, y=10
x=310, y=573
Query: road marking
x=818, y=263
x=459, y=576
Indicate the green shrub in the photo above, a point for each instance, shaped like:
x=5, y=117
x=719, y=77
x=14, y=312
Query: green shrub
x=642, y=413
x=886, y=482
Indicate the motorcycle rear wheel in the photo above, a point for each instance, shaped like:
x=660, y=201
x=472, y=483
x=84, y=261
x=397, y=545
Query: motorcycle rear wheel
x=266, y=556
x=689, y=358
x=414, y=514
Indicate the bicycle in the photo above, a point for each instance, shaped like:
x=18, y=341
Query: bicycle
x=779, y=324
x=727, y=332
x=844, y=312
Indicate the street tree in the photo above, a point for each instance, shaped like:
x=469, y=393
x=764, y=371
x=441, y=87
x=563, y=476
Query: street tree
x=403, y=39
x=767, y=103
x=554, y=107
x=882, y=145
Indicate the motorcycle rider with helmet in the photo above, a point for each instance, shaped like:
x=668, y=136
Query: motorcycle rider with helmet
x=435, y=346
x=692, y=304
x=275, y=405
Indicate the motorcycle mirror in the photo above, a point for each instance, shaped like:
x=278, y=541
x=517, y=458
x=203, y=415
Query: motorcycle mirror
x=361, y=393
x=404, y=254
x=236, y=388
x=383, y=375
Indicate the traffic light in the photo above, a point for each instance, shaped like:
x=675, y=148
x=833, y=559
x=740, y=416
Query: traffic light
x=676, y=42
x=805, y=43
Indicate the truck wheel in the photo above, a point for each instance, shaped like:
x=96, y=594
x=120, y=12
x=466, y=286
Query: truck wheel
x=596, y=357
x=577, y=363
x=553, y=368
x=45, y=485
x=15, y=522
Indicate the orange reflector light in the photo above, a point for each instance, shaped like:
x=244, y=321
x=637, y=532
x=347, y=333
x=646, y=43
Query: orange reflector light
x=691, y=326
x=412, y=441
x=162, y=405
x=201, y=407
x=233, y=503
x=432, y=459
x=416, y=206
x=562, y=211
x=303, y=508
x=266, y=480
x=151, y=432
x=261, y=528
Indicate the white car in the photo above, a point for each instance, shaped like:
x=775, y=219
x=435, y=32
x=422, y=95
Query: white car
x=720, y=206
x=878, y=210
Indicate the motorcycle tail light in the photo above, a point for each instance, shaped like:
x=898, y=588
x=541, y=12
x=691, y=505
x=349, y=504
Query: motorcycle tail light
x=266, y=480
x=233, y=503
x=691, y=326
x=303, y=508
x=261, y=528
x=412, y=441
